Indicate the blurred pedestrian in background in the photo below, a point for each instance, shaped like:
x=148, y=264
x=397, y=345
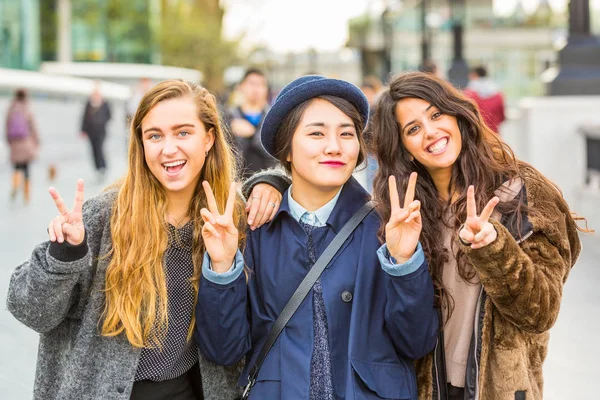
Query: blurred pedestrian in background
x=95, y=117
x=487, y=96
x=23, y=142
x=371, y=87
x=137, y=94
x=245, y=121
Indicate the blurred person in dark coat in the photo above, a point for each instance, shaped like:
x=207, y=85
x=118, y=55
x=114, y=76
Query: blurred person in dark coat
x=245, y=121
x=487, y=96
x=95, y=117
x=23, y=142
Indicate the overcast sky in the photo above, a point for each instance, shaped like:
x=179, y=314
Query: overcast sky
x=297, y=25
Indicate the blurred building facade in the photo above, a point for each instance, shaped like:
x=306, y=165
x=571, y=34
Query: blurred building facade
x=516, y=48
x=19, y=34
x=97, y=30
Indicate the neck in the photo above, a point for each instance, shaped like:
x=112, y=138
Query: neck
x=252, y=107
x=441, y=180
x=178, y=205
x=312, y=198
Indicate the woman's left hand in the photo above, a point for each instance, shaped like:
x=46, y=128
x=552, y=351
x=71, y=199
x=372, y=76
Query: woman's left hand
x=262, y=205
x=478, y=231
x=219, y=232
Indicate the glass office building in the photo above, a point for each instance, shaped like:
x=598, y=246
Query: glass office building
x=19, y=34
x=115, y=31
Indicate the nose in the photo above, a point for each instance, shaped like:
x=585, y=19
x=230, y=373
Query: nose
x=333, y=144
x=170, y=146
x=430, y=129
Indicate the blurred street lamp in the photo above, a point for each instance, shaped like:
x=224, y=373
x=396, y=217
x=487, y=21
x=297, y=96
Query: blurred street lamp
x=387, y=25
x=579, y=60
x=459, y=71
x=64, y=31
x=425, y=34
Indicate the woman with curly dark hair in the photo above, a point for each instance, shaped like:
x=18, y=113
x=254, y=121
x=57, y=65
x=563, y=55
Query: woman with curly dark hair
x=499, y=237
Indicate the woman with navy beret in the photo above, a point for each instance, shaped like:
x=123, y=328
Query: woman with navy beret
x=370, y=313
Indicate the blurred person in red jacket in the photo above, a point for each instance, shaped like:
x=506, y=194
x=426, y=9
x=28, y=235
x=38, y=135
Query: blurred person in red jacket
x=487, y=96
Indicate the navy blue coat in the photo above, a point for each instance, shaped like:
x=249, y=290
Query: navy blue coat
x=374, y=337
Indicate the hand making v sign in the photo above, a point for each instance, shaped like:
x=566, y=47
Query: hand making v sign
x=404, y=227
x=68, y=225
x=219, y=231
x=477, y=231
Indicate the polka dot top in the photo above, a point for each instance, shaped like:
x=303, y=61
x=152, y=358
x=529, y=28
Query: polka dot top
x=178, y=354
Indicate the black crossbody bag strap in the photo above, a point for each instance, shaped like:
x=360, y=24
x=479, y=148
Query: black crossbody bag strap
x=304, y=288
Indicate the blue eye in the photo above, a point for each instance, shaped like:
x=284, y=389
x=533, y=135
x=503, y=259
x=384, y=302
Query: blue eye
x=184, y=133
x=154, y=136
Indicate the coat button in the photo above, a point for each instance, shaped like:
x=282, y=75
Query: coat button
x=120, y=389
x=346, y=296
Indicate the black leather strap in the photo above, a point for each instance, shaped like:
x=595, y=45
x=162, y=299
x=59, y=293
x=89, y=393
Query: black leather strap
x=304, y=288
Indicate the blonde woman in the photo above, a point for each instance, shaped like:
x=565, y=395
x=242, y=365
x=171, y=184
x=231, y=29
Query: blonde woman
x=112, y=292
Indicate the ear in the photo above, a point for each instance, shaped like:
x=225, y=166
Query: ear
x=209, y=140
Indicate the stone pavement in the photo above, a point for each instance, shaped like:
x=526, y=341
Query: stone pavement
x=571, y=369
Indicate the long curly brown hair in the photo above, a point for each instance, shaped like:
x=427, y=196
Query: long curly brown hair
x=484, y=161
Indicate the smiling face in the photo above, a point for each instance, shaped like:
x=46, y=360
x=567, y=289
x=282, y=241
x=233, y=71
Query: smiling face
x=325, y=148
x=175, y=143
x=431, y=137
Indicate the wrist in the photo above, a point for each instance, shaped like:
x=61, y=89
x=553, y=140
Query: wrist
x=222, y=266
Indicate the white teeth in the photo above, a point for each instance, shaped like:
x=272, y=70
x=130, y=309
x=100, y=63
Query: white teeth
x=440, y=145
x=174, y=163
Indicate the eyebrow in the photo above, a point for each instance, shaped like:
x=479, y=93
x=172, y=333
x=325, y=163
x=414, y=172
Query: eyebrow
x=322, y=124
x=414, y=120
x=173, y=128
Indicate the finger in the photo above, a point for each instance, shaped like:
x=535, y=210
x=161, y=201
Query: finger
x=57, y=222
x=398, y=218
x=78, y=202
x=414, y=206
x=413, y=216
x=51, y=233
x=58, y=201
x=467, y=236
x=471, y=205
x=208, y=227
x=231, y=200
x=484, y=233
x=210, y=198
x=254, y=206
x=272, y=203
x=72, y=233
x=277, y=202
x=489, y=209
x=394, y=199
x=410, y=189
x=260, y=213
x=207, y=216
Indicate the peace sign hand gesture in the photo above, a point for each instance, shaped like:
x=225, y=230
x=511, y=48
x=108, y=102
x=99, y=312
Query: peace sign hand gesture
x=477, y=231
x=404, y=227
x=219, y=231
x=68, y=225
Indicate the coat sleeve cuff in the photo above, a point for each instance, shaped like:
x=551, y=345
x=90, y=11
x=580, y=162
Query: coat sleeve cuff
x=497, y=250
x=66, y=252
x=225, y=278
x=274, y=177
x=389, y=265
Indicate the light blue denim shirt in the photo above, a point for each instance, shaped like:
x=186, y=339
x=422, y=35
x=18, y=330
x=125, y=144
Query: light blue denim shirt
x=317, y=218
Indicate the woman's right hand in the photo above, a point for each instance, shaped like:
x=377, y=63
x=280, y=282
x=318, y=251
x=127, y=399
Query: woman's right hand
x=68, y=225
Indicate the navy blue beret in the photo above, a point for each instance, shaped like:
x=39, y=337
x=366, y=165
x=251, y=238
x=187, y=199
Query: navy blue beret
x=306, y=88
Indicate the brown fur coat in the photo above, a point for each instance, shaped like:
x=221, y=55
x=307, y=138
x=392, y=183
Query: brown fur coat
x=524, y=285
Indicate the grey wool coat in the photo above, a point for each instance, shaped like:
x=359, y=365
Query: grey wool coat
x=63, y=301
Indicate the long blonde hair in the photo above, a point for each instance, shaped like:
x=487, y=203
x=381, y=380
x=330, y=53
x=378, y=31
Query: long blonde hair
x=136, y=292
